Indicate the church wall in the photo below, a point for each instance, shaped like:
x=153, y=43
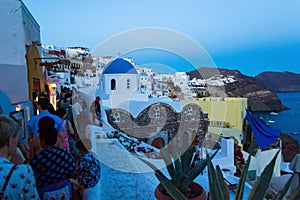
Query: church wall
x=121, y=83
x=179, y=126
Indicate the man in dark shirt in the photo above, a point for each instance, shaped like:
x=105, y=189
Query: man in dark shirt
x=95, y=110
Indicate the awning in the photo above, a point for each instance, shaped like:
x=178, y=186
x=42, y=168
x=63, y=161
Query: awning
x=263, y=134
x=295, y=164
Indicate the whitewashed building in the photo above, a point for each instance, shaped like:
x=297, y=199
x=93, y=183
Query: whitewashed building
x=118, y=83
x=144, y=82
x=121, y=98
x=19, y=30
x=153, y=120
x=181, y=80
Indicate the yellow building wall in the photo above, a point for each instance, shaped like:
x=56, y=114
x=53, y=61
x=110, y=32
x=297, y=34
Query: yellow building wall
x=34, y=69
x=224, y=112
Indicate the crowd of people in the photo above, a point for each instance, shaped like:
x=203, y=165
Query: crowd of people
x=58, y=163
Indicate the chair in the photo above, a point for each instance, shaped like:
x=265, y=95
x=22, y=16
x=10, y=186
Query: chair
x=231, y=186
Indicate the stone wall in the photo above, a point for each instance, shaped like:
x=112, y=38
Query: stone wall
x=190, y=124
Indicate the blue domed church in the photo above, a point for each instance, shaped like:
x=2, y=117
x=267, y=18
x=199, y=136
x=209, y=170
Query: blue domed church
x=119, y=82
x=154, y=120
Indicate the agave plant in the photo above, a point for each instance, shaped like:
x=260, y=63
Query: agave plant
x=182, y=172
x=219, y=189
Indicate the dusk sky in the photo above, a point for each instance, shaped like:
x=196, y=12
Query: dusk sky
x=251, y=36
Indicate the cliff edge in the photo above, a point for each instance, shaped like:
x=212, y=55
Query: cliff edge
x=259, y=97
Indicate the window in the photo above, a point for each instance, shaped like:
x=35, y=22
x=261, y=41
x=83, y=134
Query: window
x=36, y=84
x=157, y=112
x=220, y=124
x=128, y=83
x=102, y=84
x=116, y=117
x=217, y=123
x=190, y=110
x=113, y=84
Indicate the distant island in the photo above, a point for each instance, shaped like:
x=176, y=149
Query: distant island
x=260, y=90
x=279, y=81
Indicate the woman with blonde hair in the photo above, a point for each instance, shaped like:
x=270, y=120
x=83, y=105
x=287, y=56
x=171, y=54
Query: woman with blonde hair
x=18, y=181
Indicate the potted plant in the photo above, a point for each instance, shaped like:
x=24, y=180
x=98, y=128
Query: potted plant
x=182, y=174
x=219, y=189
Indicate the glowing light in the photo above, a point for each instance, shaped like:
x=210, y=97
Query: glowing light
x=18, y=107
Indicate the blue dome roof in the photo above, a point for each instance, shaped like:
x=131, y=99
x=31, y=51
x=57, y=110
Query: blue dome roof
x=119, y=66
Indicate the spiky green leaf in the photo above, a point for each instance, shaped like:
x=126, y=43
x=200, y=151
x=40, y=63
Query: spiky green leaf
x=198, y=169
x=152, y=167
x=261, y=185
x=281, y=193
x=294, y=194
x=171, y=189
x=168, y=162
x=177, y=163
x=221, y=185
x=212, y=177
x=186, y=159
x=240, y=188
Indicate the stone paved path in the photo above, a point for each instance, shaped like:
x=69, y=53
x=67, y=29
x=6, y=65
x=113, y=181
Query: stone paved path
x=123, y=176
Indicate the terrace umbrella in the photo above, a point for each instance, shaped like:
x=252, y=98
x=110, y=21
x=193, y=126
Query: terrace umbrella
x=295, y=167
x=277, y=183
x=54, y=79
x=295, y=164
x=264, y=135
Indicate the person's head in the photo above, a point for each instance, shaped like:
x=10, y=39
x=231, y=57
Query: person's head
x=98, y=98
x=9, y=132
x=84, y=145
x=51, y=109
x=48, y=134
x=43, y=103
x=43, y=95
x=67, y=100
x=61, y=112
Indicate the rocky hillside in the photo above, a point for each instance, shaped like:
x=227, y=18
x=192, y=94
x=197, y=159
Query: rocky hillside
x=290, y=147
x=279, y=81
x=259, y=97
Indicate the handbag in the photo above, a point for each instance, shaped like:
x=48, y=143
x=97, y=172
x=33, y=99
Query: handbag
x=75, y=135
x=72, y=143
x=6, y=182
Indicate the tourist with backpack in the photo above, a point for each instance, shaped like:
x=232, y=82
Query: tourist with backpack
x=95, y=110
x=68, y=106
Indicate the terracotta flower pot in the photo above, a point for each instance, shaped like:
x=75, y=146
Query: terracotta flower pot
x=196, y=188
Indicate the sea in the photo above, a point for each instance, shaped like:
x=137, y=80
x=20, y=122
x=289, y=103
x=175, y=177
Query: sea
x=288, y=121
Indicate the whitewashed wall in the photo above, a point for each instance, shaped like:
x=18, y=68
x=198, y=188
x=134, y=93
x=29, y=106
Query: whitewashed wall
x=13, y=69
x=262, y=159
x=12, y=39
